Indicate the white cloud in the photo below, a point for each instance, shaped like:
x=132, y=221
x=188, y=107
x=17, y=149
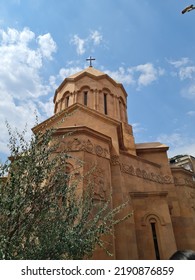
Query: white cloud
x=22, y=57
x=79, y=43
x=191, y=113
x=148, y=74
x=96, y=37
x=186, y=149
x=186, y=72
x=174, y=139
x=47, y=107
x=55, y=81
x=88, y=43
x=13, y=36
x=47, y=45
x=139, y=76
x=189, y=91
x=180, y=62
x=66, y=72
x=17, y=116
x=178, y=143
x=137, y=128
x=20, y=64
x=121, y=75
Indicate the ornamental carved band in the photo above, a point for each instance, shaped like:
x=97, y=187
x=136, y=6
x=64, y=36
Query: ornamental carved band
x=180, y=181
x=135, y=171
x=87, y=145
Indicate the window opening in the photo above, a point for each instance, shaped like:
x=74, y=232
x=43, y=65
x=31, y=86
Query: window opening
x=154, y=235
x=120, y=109
x=85, y=98
x=67, y=101
x=105, y=104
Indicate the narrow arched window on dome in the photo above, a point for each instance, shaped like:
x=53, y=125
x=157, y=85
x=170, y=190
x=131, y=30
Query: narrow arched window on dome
x=67, y=101
x=85, y=97
x=105, y=104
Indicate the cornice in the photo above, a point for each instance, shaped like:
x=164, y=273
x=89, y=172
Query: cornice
x=69, y=111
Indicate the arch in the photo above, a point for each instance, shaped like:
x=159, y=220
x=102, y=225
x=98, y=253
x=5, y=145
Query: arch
x=122, y=109
x=122, y=100
x=106, y=90
x=83, y=95
x=67, y=92
x=152, y=216
x=154, y=221
x=57, y=106
x=106, y=101
x=85, y=87
x=65, y=100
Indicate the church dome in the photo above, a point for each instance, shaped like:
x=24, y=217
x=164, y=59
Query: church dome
x=93, y=89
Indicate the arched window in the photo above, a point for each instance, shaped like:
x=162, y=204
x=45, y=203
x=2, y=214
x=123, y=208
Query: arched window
x=122, y=109
x=85, y=93
x=154, y=223
x=155, y=238
x=67, y=101
x=56, y=107
x=105, y=104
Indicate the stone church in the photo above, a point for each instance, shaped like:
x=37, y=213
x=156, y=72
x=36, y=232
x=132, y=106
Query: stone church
x=93, y=107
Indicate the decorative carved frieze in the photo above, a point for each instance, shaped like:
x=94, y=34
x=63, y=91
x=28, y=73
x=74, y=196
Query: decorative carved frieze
x=87, y=145
x=141, y=173
x=184, y=181
x=115, y=160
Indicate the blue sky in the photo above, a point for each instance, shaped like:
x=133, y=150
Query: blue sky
x=147, y=45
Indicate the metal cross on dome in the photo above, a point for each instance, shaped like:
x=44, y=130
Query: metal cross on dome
x=90, y=59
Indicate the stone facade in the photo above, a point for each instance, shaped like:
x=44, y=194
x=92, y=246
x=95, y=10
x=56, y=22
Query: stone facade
x=93, y=107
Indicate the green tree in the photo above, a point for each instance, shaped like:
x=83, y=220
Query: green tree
x=43, y=213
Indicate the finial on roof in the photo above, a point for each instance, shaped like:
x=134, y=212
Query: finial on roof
x=90, y=59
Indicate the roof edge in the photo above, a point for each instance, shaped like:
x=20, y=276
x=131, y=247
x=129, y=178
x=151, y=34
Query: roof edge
x=83, y=73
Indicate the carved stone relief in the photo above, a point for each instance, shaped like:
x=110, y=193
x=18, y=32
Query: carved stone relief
x=87, y=145
x=99, y=184
x=141, y=173
x=100, y=189
x=187, y=197
x=184, y=181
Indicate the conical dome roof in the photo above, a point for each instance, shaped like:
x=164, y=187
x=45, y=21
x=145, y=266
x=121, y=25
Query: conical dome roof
x=89, y=70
